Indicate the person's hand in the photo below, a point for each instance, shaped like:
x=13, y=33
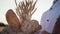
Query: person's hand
x=30, y=27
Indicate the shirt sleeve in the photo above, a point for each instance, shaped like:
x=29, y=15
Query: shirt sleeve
x=43, y=21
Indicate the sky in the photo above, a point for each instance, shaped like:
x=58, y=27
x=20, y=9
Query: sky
x=41, y=5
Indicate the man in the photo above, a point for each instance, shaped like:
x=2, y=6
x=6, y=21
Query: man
x=49, y=18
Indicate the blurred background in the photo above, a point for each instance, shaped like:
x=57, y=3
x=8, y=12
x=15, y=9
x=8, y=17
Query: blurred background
x=41, y=5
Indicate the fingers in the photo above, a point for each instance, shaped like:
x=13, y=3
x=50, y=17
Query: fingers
x=30, y=26
x=12, y=19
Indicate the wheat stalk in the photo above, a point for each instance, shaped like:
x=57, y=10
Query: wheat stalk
x=25, y=9
x=15, y=2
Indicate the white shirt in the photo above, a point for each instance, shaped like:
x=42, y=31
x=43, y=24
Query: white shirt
x=49, y=18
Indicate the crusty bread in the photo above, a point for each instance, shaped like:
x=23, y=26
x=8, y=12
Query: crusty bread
x=12, y=19
x=25, y=11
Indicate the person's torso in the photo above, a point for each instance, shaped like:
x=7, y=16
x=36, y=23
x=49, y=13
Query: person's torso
x=50, y=17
